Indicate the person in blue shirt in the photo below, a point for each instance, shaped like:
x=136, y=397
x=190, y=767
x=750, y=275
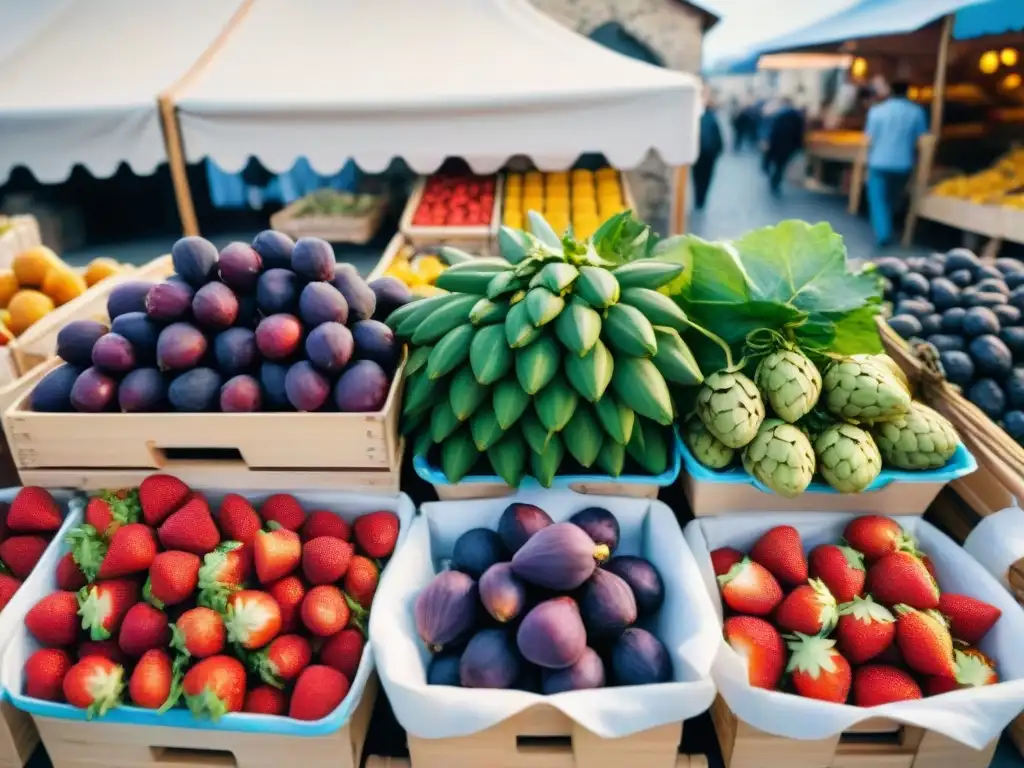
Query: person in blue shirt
x=711, y=145
x=893, y=128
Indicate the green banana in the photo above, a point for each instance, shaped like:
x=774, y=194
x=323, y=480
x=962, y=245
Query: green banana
x=484, y=427
x=674, y=360
x=536, y=434
x=543, y=306
x=443, y=422
x=443, y=319
x=537, y=364
x=583, y=437
x=556, y=404
x=591, y=374
x=629, y=332
x=658, y=308
x=540, y=229
x=519, y=331
x=509, y=402
x=598, y=287
x=489, y=355
x=465, y=394
x=557, y=277
x=503, y=283
x=450, y=352
x=471, y=277
x=648, y=447
x=612, y=458
x=618, y=420
x=486, y=311
x=422, y=444
x=578, y=327
x=405, y=320
x=458, y=455
x=646, y=273
x=417, y=360
x=545, y=464
x=417, y=393
x=512, y=244
x=508, y=459
x=638, y=384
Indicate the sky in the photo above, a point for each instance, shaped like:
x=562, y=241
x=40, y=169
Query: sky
x=748, y=22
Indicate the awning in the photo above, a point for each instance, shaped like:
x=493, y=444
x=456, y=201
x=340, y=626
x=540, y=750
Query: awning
x=425, y=80
x=996, y=17
x=79, y=79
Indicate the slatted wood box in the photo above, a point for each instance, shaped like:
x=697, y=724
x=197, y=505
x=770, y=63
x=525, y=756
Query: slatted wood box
x=335, y=229
x=22, y=235
x=477, y=239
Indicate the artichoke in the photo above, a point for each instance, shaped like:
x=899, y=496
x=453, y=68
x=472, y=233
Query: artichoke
x=886, y=363
x=864, y=392
x=790, y=382
x=706, y=448
x=730, y=407
x=781, y=457
x=848, y=458
x=922, y=439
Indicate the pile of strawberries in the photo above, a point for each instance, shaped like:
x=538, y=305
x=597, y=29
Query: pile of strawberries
x=864, y=620
x=246, y=611
x=456, y=201
x=27, y=526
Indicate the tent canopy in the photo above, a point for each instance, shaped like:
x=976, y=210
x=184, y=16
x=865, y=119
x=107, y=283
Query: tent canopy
x=479, y=79
x=995, y=17
x=79, y=79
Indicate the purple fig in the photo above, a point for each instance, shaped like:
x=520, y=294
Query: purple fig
x=444, y=669
x=477, y=550
x=235, y=350
x=195, y=260
x=639, y=658
x=195, y=391
x=170, y=300
x=113, y=353
x=53, y=392
x=307, y=389
x=142, y=331
x=215, y=306
x=502, y=593
x=360, y=298
x=600, y=525
x=446, y=610
x=126, y=297
x=490, y=660
x=142, y=391
x=586, y=673
x=390, y=293
x=559, y=557
x=76, y=340
x=275, y=248
x=272, y=376
x=277, y=291
x=239, y=267
x=278, y=336
x=93, y=391
x=241, y=394
x=313, y=259
x=642, y=578
x=552, y=635
x=519, y=522
x=180, y=346
x=607, y=605
x=322, y=303
x=375, y=341
x=329, y=347
x=362, y=388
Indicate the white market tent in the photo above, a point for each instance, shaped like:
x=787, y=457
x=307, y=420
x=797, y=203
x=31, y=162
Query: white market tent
x=80, y=79
x=423, y=80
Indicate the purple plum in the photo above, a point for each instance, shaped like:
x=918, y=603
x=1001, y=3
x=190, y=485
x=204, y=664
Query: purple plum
x=195, y=391
x=275, y=248
x=113, y=353
x=313, y=259
x=329, y=347
x=93, y=391
x=307, y=388
x=361, y=299
x=76, y=340
x=239, y=266
x=277, y=292
x=143, y=390
x=52, y=394
x=322, y=303
x=215, y=306
x=375, y=341
x=180, y=346
x=241, y=394
x=129, y=296
x=362, y=388
x=278, y=336
x=235, y=350
x=272, y=377
x=195, y=260
x=170, y=300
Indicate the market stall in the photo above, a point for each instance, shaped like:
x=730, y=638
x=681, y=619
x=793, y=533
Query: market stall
x=469, y=79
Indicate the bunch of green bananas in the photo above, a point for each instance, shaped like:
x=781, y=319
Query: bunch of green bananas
x=545, y=352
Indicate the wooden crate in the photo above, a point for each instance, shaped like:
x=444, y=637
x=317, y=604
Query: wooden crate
x=394, y=246
x=461, y=491
x=22, y=236
x=334, y=229
x=479, y=240
x=95, y=744
x=987, y=220
x=543, y=737
x=18, y=736
x=258, y=451
x=876, y=743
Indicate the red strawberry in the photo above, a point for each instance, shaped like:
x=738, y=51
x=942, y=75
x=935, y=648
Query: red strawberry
x=344, y=651
x=760, y=645
x=173, y=576
x=318, y=692
x=325, y=559
x=969, y=619
x=925, y=642
x=323, y=523
x=225, y=570
x=199, y=632
x=289, y=593
x=108, y=649
x=878, y=684
x=818, y=670
x=810, y=609
x=865, y=629
x=266, y=700
x=282, y=660
x=724, y=558
x=781, y=552
x=325, y=610
x=253, y=618
x=8, y=586
x=132, y=550
x=21, y=553
x=54, y=619
x=361, y=580
x=215, y=686
x=900, y=577
x=152, y=680
x=285, y=510
x=143, y=628
x=841, y=568
x=973, y=670
x=44, y=674
x=936, y=686
x=108, y=512
x=69, y=575
x=276, y=554
x=94, y=684
x=238, y=520
x=191, y=528
x=376, y=533
x=103, y=606
x=875, y=536
x=34, y=511
x=748, y=587
x=160, y=495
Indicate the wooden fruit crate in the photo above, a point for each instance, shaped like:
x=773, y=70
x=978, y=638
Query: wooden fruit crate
x=461, y=491
x=95, y=744
x=478, y=240
x=18, y=736
x=22, y=236
x=394, y=246
x=877, y=743
x=543, y=737
x=334, y=229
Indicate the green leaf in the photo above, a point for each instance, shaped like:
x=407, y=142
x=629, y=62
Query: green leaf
x=624, y=238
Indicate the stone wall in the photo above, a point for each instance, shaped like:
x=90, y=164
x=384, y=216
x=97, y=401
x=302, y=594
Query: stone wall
x=673, y=30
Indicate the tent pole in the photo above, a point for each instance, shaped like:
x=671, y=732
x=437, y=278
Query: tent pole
x=928, y=144
x=179, y=169
x=677, y=225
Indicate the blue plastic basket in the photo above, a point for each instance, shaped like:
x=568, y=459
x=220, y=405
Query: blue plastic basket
x=962, y=463
x=435, y=476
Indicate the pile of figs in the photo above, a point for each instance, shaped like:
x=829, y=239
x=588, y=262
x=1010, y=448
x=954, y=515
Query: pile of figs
x=268, y=326
x=543, y=607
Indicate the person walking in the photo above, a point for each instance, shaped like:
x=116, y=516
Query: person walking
x=785, y=139
x=893, y=129
x=711, y=145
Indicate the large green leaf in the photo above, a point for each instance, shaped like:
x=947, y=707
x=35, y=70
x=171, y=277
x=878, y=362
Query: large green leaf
x=624, y=238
